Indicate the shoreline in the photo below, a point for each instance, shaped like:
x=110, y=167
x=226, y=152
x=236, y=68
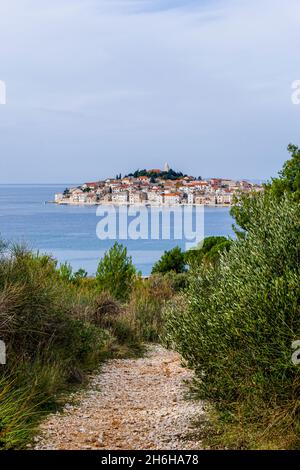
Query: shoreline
x=86, y=204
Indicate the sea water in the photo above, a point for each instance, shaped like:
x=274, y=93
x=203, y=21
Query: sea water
x=68, y=233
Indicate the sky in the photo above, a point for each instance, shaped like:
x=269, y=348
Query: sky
x=99, y=87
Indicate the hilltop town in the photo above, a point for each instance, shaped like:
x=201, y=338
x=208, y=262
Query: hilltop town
x=157, y=187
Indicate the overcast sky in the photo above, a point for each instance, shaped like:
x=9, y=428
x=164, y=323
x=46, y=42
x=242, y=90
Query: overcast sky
x=98, y=87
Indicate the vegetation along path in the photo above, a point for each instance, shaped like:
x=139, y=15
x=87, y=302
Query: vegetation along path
x=131, y=404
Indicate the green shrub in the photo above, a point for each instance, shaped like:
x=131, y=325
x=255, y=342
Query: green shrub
x=49, y=340
x=106, y=309
x=146, y=304
x=236, y=323
x=124, y=330
x=116, y=273
x=177, y=281
x=17, y=415
x=287, y=184
x=172, y=260
x=66, y=273
x=208, y=251
x=214, y=254
x=288, y=181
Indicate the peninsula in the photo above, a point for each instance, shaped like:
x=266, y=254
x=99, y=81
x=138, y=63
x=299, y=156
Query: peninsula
x=157, y=187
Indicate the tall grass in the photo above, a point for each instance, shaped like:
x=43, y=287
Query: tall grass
x=17, y=414
x=146, y=304
x=49, y=341
x=140, y=319
x=56, y=327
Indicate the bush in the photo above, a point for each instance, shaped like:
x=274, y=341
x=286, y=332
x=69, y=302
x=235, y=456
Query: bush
x=214, y=254
x=208, y=251
x=116, y=273
x=17, y=414
x=288, y=181
x=237, y=322
x=177, y=281
x=287, y=184
x=48, y=339
x=110, y=314
x=106, y=310
x=172, y=260
x=66, y=273
x=124, y=330
x=57, y=326
x=146, y=304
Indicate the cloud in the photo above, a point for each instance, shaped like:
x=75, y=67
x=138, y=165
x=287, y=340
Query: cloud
x=119, y=84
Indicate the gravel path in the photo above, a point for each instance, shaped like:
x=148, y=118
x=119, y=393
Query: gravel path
x=130, y=404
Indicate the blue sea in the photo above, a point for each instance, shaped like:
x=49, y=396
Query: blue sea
x=68, y=233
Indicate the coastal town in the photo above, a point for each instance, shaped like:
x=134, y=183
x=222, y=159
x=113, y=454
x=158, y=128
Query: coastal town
x=157, y=187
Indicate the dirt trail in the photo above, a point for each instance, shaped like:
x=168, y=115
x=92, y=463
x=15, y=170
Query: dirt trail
x=130, y=404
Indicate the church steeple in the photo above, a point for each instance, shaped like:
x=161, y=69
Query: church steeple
x=166, y=167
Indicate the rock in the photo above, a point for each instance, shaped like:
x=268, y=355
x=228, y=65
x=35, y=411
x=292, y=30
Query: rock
x=130, y=404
